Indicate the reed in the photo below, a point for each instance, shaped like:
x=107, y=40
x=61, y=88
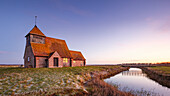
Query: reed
x=58, y=81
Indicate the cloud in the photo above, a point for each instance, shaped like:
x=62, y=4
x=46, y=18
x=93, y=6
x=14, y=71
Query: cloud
x=164, y=28
x=3, y=52
x=159, y=25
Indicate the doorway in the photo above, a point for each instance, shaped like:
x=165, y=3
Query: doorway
x=56, y=62
x=46, y=61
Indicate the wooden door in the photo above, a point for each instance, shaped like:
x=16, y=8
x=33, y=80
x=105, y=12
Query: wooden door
x=56, y=62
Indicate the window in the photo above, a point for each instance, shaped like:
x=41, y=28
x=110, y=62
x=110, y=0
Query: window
x=65, y=60
x=28, y=58
x=38, y=39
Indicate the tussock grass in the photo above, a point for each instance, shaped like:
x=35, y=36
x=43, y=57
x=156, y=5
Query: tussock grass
x=47, y=81
x=100, y=88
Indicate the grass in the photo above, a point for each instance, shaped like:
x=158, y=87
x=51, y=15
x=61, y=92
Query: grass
x=163, y=69
x=10, y=66
x=46, y=81
x=101, y=88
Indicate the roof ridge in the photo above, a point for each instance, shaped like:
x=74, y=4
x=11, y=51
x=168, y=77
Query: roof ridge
x=36, y=31
x=75, y=51
x=55, y=38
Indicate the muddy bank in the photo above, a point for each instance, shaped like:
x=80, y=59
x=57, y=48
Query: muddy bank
x=97, y=87
x=162, y=79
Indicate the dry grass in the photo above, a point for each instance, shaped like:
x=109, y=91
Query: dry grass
x=47, y=81
x=100, y=88
x=162, y=69
x=10, y=66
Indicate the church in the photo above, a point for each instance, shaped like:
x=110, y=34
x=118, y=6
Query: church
x=42, y=51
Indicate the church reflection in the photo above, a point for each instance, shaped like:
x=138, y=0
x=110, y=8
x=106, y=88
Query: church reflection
x=133, y=73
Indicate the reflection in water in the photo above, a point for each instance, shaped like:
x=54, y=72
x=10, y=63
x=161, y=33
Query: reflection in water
x=135, y=79
x=133, y=73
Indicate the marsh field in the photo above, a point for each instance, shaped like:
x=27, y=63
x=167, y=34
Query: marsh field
x=48, y=81
x=162, y=69
x=62, y=81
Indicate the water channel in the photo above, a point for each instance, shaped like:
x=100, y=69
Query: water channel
x=138, y=83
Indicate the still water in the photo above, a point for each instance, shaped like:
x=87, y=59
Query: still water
x=134, y=79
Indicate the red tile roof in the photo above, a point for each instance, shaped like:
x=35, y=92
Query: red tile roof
x=36, y=31
x=40, y=49
x=76, y=55
x=51, y=45
x=58, y=45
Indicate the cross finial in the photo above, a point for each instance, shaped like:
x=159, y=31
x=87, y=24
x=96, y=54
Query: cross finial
x=35, y=20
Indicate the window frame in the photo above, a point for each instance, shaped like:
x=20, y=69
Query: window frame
x=65, y=60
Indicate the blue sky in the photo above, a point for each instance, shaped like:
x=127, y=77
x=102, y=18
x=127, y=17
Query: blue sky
x=106, y=31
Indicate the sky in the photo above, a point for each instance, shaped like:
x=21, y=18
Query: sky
x=105, y=31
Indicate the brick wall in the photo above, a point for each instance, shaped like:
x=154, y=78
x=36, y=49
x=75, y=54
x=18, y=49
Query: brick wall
x=67, y=63
x=51, y=60
x=77, y=63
